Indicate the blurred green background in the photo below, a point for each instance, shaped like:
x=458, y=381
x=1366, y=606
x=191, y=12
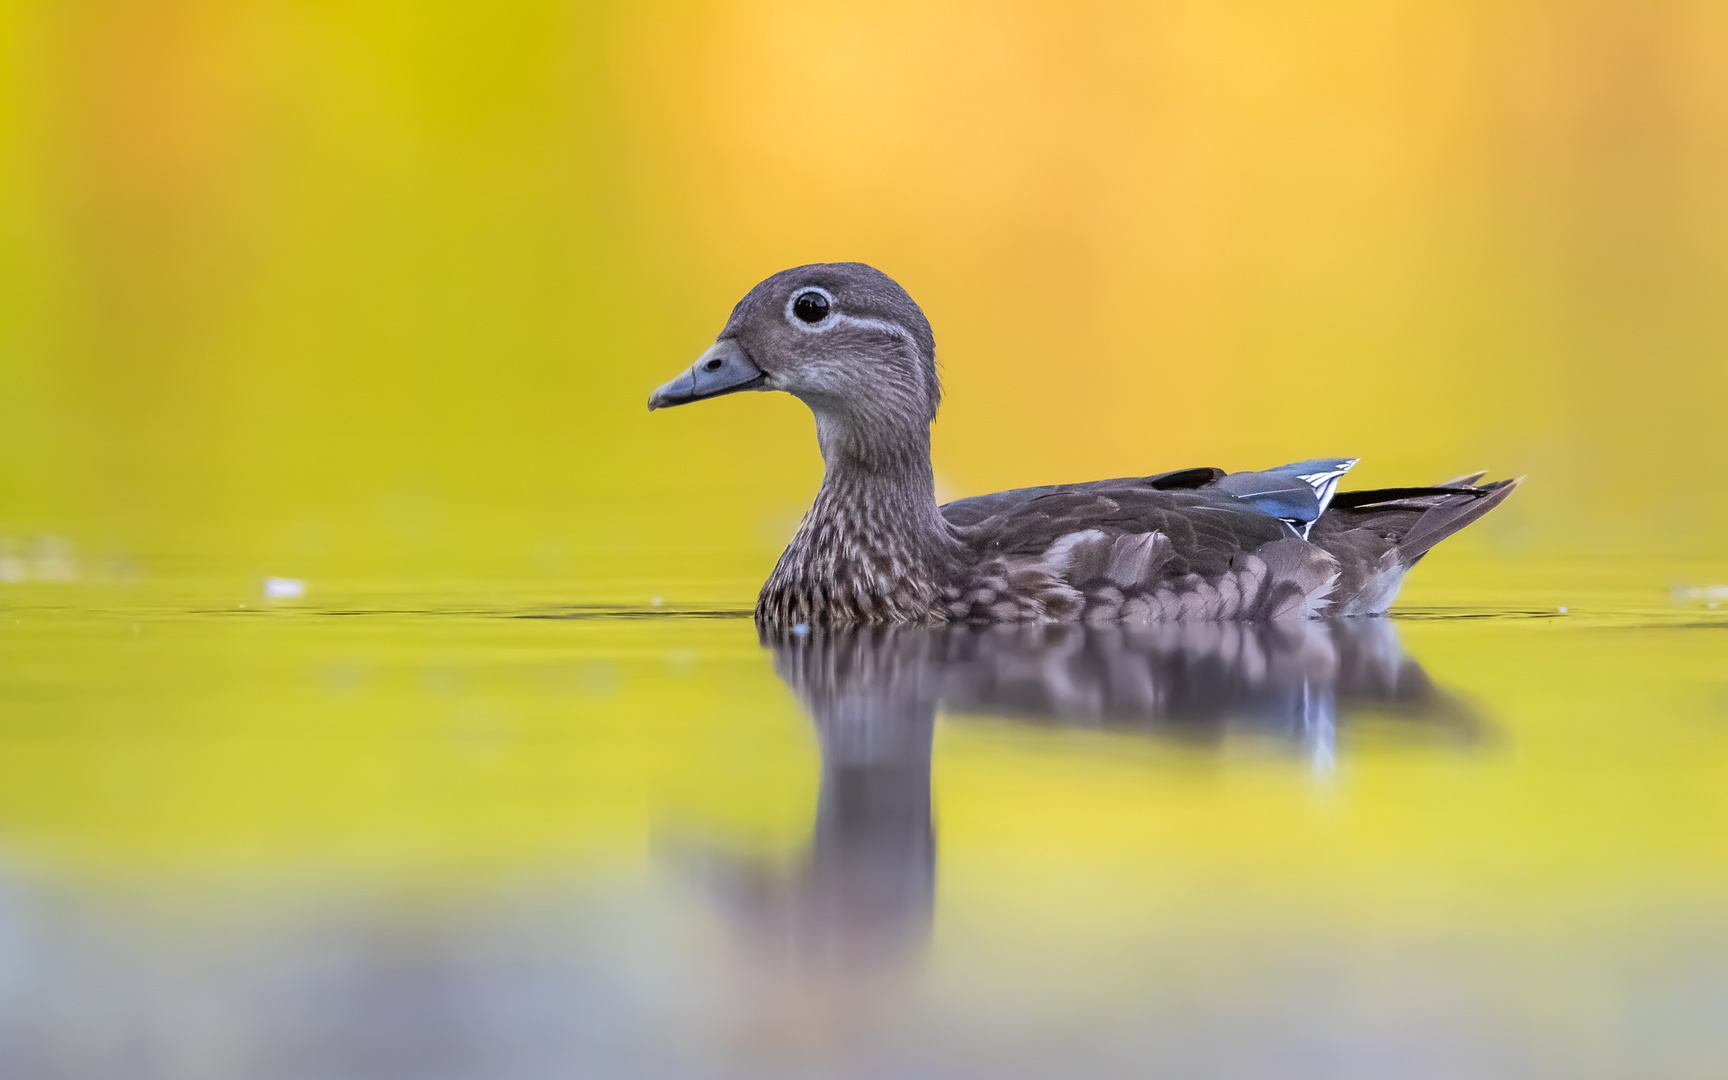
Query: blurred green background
x=336, y=288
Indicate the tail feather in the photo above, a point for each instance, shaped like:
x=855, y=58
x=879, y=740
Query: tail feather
x=1448, y=515
x=1467, y=480
x=1378, y=535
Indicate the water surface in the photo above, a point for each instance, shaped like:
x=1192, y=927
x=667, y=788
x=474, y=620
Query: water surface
x=507, y=830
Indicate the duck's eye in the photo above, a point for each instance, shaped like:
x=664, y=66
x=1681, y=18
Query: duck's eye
x=811, y=307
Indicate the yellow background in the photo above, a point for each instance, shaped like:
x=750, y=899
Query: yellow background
x=319, y=288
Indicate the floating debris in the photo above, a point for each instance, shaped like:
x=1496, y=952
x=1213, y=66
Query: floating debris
x=46, y=558
x=1704, y=592
x=283, y=588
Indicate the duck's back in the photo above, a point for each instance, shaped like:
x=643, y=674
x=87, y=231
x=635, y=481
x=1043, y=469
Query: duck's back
x=1205, y=526
x=1194, y=545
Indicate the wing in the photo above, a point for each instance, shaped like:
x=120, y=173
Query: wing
x=1208, y=515
x=973, y=510
x=1206, y=529
x=1298, y=493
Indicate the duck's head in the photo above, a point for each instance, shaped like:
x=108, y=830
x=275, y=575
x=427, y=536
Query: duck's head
x=842, y=337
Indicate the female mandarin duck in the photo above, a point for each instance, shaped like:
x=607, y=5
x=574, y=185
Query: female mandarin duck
x=875, y=548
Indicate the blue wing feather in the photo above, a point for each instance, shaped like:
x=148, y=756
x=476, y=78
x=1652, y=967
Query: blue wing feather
x=1298, y=493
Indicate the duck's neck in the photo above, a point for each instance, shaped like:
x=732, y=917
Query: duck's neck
x=874, y=547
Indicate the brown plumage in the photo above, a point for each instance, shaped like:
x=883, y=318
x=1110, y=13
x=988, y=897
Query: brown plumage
x=875, y=548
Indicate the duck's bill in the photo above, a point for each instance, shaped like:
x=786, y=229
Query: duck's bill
x=723, y=369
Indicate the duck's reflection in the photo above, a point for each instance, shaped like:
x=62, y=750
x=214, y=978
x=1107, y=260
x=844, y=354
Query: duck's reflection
x=864, y=890
x=1199, y=681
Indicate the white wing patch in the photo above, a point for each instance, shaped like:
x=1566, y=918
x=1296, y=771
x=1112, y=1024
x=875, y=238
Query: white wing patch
x=1325, y=485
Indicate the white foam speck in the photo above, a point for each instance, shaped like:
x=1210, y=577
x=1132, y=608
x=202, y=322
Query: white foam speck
x=283, y=588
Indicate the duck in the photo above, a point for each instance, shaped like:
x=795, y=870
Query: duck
x=1189, y=545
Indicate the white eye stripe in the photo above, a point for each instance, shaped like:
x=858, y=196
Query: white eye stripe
x=876, y=324
x=834, y=318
